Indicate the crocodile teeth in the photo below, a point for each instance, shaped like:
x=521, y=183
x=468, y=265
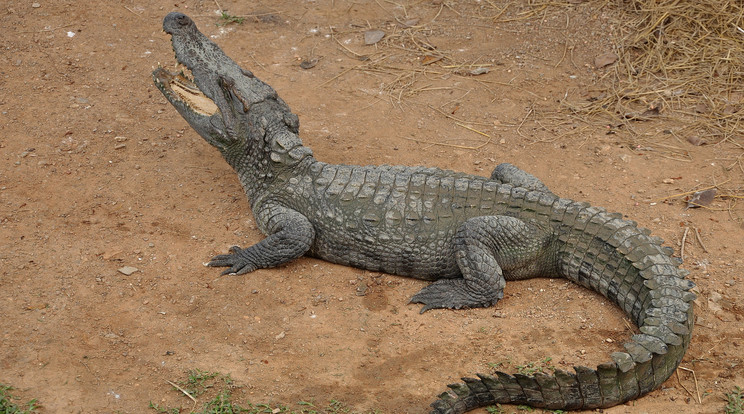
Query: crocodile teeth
x=183, y=69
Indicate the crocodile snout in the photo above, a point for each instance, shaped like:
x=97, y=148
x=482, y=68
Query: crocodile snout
x=176, y=21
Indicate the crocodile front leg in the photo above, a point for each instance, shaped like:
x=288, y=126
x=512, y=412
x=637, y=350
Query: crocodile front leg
x=484, y=248
x=290, y=235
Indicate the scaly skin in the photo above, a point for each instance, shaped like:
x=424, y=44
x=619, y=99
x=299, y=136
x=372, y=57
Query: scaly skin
x=467, y=234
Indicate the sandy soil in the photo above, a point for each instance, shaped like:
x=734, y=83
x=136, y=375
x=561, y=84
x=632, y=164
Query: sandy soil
x=99, y=172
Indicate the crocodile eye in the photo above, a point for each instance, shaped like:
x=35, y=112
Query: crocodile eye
x=183, y=20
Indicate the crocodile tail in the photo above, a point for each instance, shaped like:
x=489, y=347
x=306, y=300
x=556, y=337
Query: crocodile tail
x=624, y=263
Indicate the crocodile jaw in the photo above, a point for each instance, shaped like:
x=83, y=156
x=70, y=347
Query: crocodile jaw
x=177, y=87
x=195, y=106
x=213, y=93
x=198, y=91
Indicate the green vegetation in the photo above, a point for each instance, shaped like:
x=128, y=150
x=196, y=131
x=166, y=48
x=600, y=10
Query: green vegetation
x=527, y=369
x=500, y=364
x=735, y=401
x=216, y=392
x=7, y=406
x=226, y=19
x=198, y=381
x=533, y=367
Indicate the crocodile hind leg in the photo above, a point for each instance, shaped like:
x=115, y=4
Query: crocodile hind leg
x=487, y=249
x=509, y=174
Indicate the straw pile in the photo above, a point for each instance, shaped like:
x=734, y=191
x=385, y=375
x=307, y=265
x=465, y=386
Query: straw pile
x=684, y=57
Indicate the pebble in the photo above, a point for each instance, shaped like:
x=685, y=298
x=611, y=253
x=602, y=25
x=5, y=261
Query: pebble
x=373, y=36
x=127, y=270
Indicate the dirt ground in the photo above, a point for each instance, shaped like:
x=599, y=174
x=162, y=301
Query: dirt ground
x=99, y=172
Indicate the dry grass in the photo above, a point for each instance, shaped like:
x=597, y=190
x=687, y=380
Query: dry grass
x=683, y=58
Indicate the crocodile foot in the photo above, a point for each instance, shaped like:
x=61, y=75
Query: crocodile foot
x=453, y=294
x=238, y=262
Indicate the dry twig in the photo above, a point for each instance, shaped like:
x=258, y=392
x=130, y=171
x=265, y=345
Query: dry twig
x=694, y=377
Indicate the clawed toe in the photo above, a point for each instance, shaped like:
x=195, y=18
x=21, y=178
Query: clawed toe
x=235, y=261
x=453, y=294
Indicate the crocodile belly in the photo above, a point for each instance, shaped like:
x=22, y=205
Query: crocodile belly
x=418, y=254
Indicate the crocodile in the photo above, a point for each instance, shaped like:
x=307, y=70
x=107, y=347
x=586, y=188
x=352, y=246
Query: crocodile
x=467, y=234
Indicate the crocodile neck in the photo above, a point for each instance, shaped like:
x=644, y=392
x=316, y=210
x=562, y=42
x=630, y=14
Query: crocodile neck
x=270, y=150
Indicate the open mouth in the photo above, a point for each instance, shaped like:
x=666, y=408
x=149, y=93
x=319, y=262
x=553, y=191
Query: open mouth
x=179, y=87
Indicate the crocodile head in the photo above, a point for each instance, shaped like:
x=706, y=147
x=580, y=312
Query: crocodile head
x=211, y=92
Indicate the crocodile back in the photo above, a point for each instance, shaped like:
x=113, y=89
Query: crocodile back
x=395, y=219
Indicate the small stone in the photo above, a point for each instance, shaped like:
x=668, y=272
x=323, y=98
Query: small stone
x=478, y=71
x=280, y=336
x=605, y=60
x=35, y=5
x=696, y=140
x=373, y=36
x=308, y=63
x=119, y=146
x=127, y=270
x=714, y=301
x=701, y=108
x=702, y=198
